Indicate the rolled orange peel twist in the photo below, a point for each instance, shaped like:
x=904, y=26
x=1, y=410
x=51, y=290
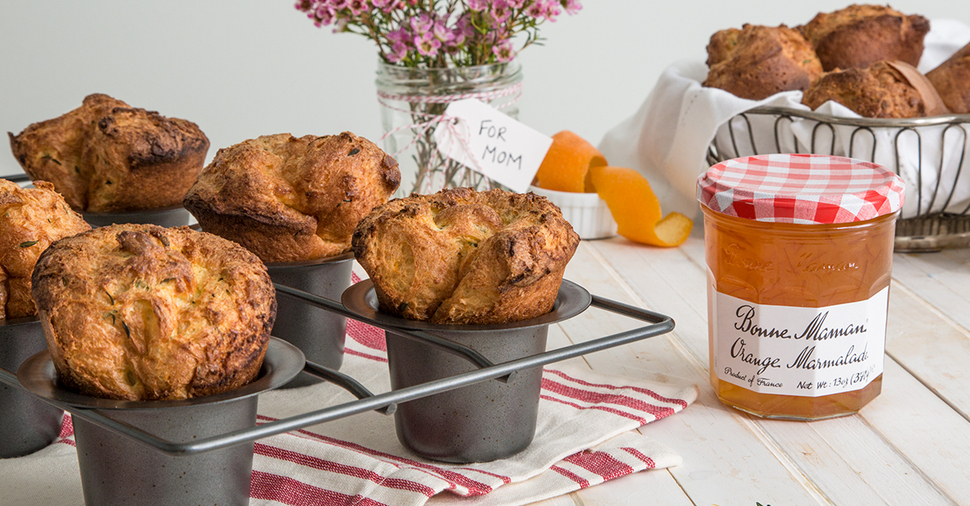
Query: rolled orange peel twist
x=636, y=209
x=566, y=165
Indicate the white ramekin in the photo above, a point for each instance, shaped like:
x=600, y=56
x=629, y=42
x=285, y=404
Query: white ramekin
x=586, y=212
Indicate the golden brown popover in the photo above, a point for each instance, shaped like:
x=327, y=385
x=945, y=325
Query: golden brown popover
x=30, y=220
x=756, y=62
x=882, y=90
x=107, y=156
x=952, y=81
x=860, y=35
x=141, y=312
x=466, y=257
x=292, y=199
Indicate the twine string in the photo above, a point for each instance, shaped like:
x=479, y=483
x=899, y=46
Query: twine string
x=426, y=121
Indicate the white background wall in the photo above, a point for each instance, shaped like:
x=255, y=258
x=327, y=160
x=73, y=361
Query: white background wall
x=243, y=68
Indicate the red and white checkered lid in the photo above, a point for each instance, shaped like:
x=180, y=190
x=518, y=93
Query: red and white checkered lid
x=796, y=188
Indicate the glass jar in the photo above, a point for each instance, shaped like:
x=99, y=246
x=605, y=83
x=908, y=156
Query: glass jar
x=413, y=102
x=797, y=307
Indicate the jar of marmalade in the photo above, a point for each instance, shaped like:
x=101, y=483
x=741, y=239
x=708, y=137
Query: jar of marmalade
x=799, y=254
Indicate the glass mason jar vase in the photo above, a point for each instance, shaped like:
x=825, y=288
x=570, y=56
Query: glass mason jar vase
x=413, y=102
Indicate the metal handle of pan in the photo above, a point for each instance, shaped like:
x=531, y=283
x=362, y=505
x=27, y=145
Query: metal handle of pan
x=324, y=303
x=347, y=382
x=16, y=178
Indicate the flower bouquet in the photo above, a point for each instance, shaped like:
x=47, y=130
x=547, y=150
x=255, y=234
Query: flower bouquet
x=432, y=53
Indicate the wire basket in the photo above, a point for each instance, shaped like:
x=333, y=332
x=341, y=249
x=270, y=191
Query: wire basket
x=928, y=153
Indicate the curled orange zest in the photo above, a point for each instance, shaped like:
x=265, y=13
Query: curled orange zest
x=636, y=209
x=567, y=163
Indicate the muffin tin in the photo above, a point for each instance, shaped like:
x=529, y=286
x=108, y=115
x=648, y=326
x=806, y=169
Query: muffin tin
x=113, y=467
x=319, y=334
x=115, y=437
x=175, y=216
x=476, y=423
x=27, y=424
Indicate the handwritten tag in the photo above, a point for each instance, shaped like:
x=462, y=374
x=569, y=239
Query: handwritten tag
x=491, y=143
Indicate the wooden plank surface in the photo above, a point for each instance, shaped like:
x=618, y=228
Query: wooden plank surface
x=890, y=453
x=941, y=279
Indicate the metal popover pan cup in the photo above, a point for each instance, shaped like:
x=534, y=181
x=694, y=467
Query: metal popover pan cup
x=319, y=333
x=482, y=422
x=175, y=216
x=118, y=470
x=27, y=424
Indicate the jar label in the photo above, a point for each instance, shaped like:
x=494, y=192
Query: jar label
x=803, y=351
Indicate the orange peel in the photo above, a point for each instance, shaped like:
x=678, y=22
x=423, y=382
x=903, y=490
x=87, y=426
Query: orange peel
x=566, y=165
x=636, y=209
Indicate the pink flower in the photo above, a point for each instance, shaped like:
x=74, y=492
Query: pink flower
x=423, y=32
x=504, y=51
x=358, y=6
x=573, y=7
x=388, y=6
x=427, y=44
x=457, y=38
x=464, y=25
x=500, y=13
x=552, y=9
x=324, y=15
x=477, y=5
x=422, y=24
x=536, y=9
x=462, y=31
x=399, y=51
x=399, y=35
x=442, y=33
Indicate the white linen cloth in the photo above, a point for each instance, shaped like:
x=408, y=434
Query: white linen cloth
x=667, y=139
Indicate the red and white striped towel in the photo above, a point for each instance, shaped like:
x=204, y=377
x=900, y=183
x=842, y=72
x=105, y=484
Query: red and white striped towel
x=586, y=435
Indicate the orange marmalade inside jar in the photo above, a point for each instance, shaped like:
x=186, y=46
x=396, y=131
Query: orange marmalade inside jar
x=799, y=254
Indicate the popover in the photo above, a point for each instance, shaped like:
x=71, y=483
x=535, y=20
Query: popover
x=30, y=220
x=142, y=312
x=756, y=62
x=862, y=34
x=107, y=156
x=466, y=257
x=952, y=80
x=882, y=90
x=292, y=199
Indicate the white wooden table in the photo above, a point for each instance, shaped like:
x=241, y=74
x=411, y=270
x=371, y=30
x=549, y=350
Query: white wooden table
x=910, y=446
